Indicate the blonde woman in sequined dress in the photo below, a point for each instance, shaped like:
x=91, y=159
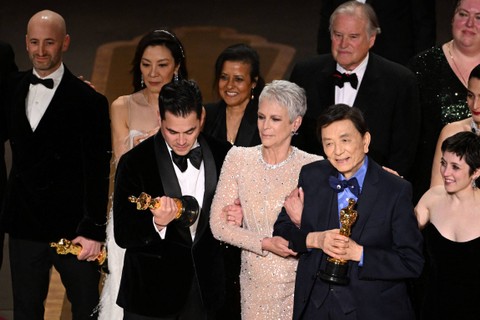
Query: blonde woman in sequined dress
x=261, y=177
x=159, y=59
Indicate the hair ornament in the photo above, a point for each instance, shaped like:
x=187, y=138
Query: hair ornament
x=171, y=35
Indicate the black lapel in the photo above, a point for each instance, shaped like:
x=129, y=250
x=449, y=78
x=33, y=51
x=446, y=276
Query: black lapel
x=19, y=122
x=368, y=198
x=165, y=168
x=57, y=107
x=368, y=87
x=219, y=127
x=211, y=177
x=248, y=125
x=324, y=201
x=169, y=181
x=327, y=88
x=331, y=208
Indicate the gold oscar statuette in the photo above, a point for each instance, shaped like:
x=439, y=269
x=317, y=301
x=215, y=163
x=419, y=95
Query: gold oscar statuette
x=187, y=207
x=336, y=269
x=64, y=246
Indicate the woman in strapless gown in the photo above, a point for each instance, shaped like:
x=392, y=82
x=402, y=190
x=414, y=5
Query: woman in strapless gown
x=261, y=177
x=450, y=214
x=159, y=59
x=453, y=282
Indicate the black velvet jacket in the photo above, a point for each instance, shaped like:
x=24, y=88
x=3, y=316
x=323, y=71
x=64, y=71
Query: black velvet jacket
x=58, y=184
x=158, y=273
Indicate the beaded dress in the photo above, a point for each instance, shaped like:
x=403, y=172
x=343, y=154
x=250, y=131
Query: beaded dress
x=453, y=280
x=141, y=119
x=266, y=280
x=443, y=99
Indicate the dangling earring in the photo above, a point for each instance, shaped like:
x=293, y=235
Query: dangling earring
x=253, y=95
x=142, y=84
x=474, y=184
x=175, y=77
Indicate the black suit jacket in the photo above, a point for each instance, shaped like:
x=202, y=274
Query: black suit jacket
x=387, y=229
x=58, y=184
x=387, y=96
x=407, y=27
x=158, y=273
x=216, y=125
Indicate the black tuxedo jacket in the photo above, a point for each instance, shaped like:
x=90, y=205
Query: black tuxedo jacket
x=58, y=184
x=158, y=273
x=387, y=229
x=216, y=126
x=387, y=96
x=407, y=27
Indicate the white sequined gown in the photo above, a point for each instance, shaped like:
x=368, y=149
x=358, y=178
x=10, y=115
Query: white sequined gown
x=141, y=120
x=266, y=280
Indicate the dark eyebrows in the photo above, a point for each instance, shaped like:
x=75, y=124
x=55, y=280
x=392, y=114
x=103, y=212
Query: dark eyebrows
x=160, y=60
x=453, y=163
x=175, y=132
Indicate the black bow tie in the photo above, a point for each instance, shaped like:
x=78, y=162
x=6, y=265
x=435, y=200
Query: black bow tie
x=48, y=83
x=339, y=185
x=341, y=78
x=195, y=156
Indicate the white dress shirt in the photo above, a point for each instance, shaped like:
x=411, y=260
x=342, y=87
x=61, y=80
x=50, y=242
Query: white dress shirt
x=347, y=94
x=39, y=97
x=192, y=183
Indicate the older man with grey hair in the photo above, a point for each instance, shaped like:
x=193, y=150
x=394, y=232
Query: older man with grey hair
x=384, y=91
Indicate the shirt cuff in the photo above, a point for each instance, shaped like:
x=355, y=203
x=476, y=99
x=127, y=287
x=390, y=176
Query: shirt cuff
x=161, y=232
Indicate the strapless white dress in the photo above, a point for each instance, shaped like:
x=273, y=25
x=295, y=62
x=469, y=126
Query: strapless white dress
x=108, y=308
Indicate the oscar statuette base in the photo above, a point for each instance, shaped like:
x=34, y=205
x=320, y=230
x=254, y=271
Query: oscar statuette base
x=335, y=272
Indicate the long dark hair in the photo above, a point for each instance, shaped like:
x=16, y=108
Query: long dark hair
x=160, y=37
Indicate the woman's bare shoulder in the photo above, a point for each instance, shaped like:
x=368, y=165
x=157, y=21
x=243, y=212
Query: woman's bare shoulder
x=455, y=127
x=433, y=195
x=121, y=101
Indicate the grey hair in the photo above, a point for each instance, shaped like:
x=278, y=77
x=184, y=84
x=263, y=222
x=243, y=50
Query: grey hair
x=365, y=11
x=288, y=95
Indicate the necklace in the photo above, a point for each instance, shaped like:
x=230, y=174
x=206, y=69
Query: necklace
x=233, y=121
x=267, y=165
x=449, y=47
x=231, y=140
